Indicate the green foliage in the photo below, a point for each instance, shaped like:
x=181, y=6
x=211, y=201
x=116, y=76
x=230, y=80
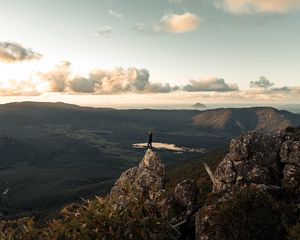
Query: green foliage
x=250, y=214
x=97, y=219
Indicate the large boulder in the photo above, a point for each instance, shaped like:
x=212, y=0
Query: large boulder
x=267, y=163
x=185, y=193
x=290, y=156
x=252, y=159
x=147, y=181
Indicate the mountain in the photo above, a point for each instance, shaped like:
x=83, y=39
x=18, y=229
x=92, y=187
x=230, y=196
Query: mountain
x=234, y=121
x=199, y=105
x=56, y=153
x=252, y=193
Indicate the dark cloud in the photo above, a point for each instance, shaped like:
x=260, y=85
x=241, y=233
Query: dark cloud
x=263, y=82
x=14, y=52
x=210, y=85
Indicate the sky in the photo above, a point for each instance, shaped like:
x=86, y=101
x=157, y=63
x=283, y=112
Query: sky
x=150, y=52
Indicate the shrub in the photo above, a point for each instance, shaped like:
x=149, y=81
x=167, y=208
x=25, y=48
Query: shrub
x=97, y=219
x=249, y=214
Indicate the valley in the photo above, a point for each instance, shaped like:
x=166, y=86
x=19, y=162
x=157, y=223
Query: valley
x=52, y=154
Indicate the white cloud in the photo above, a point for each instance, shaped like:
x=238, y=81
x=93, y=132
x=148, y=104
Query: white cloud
x=115, y=14
x=171, y=23
x=180, y=23
x=103, y=31
x=61, y=79
x=99, y=81
x=58, y=77
x=258, y=6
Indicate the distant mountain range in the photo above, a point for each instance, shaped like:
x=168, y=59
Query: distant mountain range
x=237, y=120
x=55, y=153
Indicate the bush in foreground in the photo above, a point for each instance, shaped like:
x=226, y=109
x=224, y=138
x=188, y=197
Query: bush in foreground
x=97, y=219
x=251, y=214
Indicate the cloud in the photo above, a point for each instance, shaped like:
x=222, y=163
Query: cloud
x=58, y=77
x=115, y=14
x=263, y=82
x=82, y=85
x=100, y=81
x=13, y=52
x=160, y=88
x=210, y=84
x=104, y=31
x=180, y=23
x=61, y=79
x=122, y=80
x=258, y=6
x=284, y=89
x=171, y=23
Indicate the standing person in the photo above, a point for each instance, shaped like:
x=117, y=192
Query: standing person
x=150, y=139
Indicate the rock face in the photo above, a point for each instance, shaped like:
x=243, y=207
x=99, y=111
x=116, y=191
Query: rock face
x=263, y=162
x=254, y=159
x=185, y=193
x=290, y=156
x=146, y=181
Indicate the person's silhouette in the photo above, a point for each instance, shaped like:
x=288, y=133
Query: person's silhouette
x=150, y=139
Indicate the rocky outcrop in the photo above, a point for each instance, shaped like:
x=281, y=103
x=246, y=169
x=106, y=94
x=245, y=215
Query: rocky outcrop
x=290, y=156
x=265, y=162
x=185, y=193
x=252, y=159
x=147, y=181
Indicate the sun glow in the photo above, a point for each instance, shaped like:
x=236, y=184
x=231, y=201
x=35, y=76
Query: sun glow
x=22, y=78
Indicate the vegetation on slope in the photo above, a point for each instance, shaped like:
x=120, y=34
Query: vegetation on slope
x=97, y=219
x=252, y=214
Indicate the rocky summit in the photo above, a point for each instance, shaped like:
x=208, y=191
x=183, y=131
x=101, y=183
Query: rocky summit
x=258, y=159
x=146, y=181
x=267, y=163
x=264, y=162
